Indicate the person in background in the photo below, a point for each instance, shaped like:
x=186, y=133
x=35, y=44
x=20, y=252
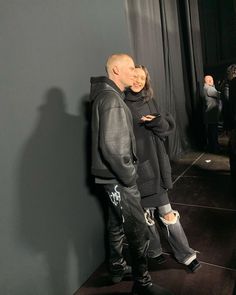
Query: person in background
x=231, y=74
x=114, y=166
x=151, y=128
x=224, y=90
x=212, y=113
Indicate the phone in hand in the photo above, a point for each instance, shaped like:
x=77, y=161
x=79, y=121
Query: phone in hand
x=155, y=114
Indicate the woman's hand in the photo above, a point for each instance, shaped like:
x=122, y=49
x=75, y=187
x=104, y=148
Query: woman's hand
x=147, y=118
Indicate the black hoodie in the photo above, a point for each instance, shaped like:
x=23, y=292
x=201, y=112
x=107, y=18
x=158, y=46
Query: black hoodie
x=154, y=169
x=113, y=142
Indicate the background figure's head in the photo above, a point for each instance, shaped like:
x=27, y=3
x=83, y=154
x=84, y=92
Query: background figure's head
x=120, y=69
x=209, y=80
x=142, y=81
x=231, y=72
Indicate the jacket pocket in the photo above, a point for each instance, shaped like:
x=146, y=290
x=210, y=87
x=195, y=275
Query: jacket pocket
x=145, y=172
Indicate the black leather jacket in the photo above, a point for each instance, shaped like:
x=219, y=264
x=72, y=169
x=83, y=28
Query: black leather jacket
x=113, y=142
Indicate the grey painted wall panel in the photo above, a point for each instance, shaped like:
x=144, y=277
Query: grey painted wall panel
x=50, y=223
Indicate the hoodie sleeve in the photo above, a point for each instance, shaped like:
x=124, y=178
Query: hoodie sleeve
x=162, y=125
x=115, y=141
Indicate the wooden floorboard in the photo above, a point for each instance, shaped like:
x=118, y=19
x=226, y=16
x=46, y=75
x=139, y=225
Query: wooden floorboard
x=204, y=195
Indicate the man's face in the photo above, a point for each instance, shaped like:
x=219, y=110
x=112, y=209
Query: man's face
x=127, y=72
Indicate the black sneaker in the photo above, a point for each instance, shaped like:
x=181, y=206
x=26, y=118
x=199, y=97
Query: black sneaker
x=151, y=289
x=118, y=276
x=159, y=259
x=194, y=265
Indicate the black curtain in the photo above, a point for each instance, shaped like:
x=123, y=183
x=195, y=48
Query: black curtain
x=218, y=23
x=173, y=56
x=193, y=69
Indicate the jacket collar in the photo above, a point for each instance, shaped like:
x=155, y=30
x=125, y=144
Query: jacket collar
x=106, y=80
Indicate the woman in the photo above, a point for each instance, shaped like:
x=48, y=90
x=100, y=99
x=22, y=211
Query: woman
x=151, y=129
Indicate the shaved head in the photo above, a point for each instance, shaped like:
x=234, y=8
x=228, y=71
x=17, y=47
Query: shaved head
x=209, y=80
x=120, y=69
x=115, y=60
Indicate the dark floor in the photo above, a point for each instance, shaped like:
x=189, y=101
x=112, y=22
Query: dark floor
x=204, y=197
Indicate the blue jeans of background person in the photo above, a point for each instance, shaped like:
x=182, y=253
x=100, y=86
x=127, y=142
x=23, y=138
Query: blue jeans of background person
x=173, y=232
x=126, y=216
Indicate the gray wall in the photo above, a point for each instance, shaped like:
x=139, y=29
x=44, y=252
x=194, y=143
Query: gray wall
x=51, y=225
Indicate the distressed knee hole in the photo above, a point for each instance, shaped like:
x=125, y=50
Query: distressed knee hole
x=170, y=218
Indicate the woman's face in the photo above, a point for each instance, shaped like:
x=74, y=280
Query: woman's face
x=139, y=80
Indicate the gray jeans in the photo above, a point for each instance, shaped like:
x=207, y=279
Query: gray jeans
x=173, y=232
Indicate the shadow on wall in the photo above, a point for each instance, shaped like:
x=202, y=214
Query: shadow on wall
x=96, y=190
x=53, y=196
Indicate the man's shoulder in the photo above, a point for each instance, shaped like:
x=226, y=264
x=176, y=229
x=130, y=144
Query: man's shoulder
x=232, y=82
x=109, y=97
x=208, y=86
x=205, y=87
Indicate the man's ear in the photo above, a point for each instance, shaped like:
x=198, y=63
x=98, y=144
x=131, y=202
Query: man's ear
x=115, y=70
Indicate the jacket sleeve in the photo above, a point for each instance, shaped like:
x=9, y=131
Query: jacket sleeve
x=115, y=141
x=162, y=125
x=212, y=92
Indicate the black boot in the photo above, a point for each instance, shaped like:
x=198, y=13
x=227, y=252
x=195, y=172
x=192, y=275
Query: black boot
x=118, y=276
x=150, y=289
x=158, y=259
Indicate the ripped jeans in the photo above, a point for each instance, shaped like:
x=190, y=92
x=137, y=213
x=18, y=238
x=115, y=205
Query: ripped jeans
x=173, y=232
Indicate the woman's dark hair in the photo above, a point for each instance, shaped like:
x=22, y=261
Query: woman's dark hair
x=148, y=91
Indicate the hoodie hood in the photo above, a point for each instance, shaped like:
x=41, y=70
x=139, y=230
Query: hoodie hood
x=100, y=84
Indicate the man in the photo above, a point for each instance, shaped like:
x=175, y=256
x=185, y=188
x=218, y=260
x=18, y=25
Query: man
x=231, y=75
x=212, y=113
x=113, y=165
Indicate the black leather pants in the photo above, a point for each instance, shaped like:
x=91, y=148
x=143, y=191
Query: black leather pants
x=126, y=216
